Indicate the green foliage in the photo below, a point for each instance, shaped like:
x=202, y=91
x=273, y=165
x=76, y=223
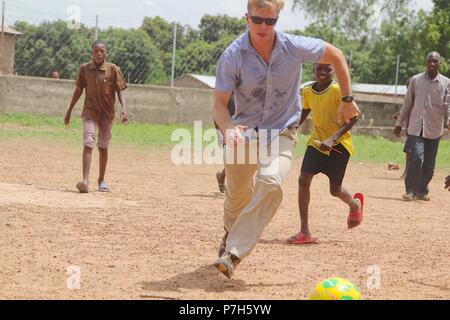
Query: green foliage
x=135, y=54
x=437, y=34
x=51, y=46
x=145, y=54
x=201, y=57
x=355, y=18
x=212, y=28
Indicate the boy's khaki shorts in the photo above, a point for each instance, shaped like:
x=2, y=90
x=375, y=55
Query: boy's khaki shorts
x=104, y=127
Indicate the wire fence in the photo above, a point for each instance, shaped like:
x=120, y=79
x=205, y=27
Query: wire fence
x=48, y=44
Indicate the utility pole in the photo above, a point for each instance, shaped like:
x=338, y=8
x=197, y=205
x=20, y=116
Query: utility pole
x=396, y=75
x=350, y=61
x=96, y=28
x=2, y=44
x=174, y=54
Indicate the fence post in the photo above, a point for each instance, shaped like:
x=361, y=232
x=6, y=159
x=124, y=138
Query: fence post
x=2, y=44
x=174, y=54
x=396, y=75
x=96, y=28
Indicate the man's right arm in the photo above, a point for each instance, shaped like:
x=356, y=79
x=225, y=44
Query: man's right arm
x=221, y=114
x=76, y=96
x=222, y=117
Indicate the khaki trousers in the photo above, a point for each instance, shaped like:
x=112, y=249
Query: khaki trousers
x=252, y=203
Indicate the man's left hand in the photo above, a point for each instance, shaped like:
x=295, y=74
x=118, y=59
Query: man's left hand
x=348, y=111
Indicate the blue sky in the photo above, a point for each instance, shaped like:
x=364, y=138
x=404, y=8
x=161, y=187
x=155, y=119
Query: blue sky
x=130, y=13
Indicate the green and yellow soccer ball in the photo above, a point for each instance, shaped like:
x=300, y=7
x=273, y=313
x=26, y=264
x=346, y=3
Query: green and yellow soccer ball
x=336, y=289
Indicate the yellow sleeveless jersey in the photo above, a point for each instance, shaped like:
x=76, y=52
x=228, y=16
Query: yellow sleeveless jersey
x=324, y=106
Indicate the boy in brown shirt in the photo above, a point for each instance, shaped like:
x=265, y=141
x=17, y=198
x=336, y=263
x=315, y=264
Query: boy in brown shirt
x=102, y=80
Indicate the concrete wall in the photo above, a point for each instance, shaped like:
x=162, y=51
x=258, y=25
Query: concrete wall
x=162, y=105
x=40, y=96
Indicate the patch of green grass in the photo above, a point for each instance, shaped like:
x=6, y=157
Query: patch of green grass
x=140, y=134
x=381, y=150
x=368, y=149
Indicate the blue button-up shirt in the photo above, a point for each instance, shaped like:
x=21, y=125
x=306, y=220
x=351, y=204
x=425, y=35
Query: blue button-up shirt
x=266, y=95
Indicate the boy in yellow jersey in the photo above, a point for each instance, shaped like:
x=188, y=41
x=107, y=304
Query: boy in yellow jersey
x=329, y=149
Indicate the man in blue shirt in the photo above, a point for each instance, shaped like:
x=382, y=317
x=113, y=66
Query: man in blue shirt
x=263, y=70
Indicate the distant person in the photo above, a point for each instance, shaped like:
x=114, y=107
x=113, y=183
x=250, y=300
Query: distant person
x=425, y=110
x=55, y=75
x=101, y=80
x=329, y=149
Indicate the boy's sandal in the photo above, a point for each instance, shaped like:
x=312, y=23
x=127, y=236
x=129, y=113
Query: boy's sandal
x=103, y=187
x=355, y=218
x=300, y=238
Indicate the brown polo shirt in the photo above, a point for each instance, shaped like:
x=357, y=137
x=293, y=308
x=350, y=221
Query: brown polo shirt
x=101, y=84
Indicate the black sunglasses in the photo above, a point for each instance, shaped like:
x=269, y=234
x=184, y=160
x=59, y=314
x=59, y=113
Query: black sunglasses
x=267, y=21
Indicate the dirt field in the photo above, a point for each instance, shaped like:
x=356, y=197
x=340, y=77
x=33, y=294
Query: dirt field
x=156, y=235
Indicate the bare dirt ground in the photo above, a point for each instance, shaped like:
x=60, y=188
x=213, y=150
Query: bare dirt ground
x=156, y=235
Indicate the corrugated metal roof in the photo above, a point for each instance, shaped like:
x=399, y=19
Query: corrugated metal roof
x=210, y=81
x=357, y=87
x=379, y=89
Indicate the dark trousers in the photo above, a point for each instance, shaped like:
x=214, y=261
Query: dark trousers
x=421, y=163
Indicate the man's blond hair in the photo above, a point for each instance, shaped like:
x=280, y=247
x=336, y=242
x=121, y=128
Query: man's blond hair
x=256, y=4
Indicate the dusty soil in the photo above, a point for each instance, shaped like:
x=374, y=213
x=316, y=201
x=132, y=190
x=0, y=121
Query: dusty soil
x=156, y=235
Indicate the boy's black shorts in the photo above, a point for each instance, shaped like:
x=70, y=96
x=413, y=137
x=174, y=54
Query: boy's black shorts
x=333, y=166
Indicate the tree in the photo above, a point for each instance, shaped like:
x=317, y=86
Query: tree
x=212, y=28
x=355, y=18
x=51, y=46
x=161, y=33
x=201, y=57
x=135, y=54
x=437, y=34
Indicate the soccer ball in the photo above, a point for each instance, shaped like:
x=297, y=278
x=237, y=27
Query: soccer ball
x=336, y=289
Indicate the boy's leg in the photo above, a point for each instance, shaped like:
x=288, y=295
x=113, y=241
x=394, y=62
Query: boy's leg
x=304, y=235
x=335, y=170
x=104, y=140
x=304, y=195
x=103, y=161
x=89, y=131
x=340, y=192
x=311, y=165
x=83, y=186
